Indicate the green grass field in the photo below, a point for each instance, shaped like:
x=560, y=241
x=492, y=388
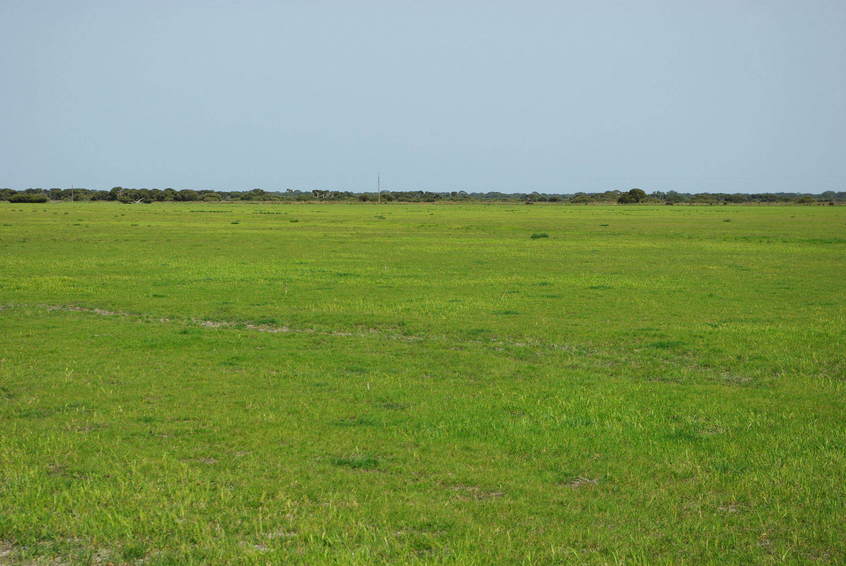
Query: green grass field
x=203, y=383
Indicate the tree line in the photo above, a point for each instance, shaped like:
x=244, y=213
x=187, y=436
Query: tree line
x=631, y=196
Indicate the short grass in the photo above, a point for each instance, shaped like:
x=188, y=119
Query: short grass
x=361, y=384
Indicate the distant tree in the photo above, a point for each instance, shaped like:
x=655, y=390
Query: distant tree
x=74, y=194
x=255, y=194
x=124, y=195
x=703, y=198
x=610, y=196
x=188, y=195
x=632, y=196
x=28, y=198
x=134, y=196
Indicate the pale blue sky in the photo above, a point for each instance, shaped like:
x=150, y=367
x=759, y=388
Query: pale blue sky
x=707, y=95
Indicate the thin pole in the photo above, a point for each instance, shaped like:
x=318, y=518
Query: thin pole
x=379, y=186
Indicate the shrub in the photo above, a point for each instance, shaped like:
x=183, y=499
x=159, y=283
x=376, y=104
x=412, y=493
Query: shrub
x=28, y=198
x=633, y=196
x=540, y=235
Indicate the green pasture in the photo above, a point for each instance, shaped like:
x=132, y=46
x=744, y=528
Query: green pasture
x=206, y=383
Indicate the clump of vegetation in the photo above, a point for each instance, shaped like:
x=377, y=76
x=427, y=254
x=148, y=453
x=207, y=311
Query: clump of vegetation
x=632, y=196
x=357, y=462
x=539, y=235
x=28, y=198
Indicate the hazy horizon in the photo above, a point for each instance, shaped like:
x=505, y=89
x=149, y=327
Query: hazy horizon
x=554, y=97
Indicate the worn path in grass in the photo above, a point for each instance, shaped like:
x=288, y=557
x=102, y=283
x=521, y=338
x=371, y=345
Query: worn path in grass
x=645, y=385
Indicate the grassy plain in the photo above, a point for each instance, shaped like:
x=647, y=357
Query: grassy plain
x=203, y=383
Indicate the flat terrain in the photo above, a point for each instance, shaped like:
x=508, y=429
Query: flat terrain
x=202, y=383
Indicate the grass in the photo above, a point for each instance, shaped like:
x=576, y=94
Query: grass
x=421, y=384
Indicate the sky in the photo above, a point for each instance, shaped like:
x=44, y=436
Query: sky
x=518, y=96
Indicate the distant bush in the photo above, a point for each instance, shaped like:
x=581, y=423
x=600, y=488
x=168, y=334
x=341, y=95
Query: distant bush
x=28, y=198
x=633, y=196
x=540, y=235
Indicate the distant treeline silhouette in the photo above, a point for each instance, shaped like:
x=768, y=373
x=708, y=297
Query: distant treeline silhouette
x=631, y=196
